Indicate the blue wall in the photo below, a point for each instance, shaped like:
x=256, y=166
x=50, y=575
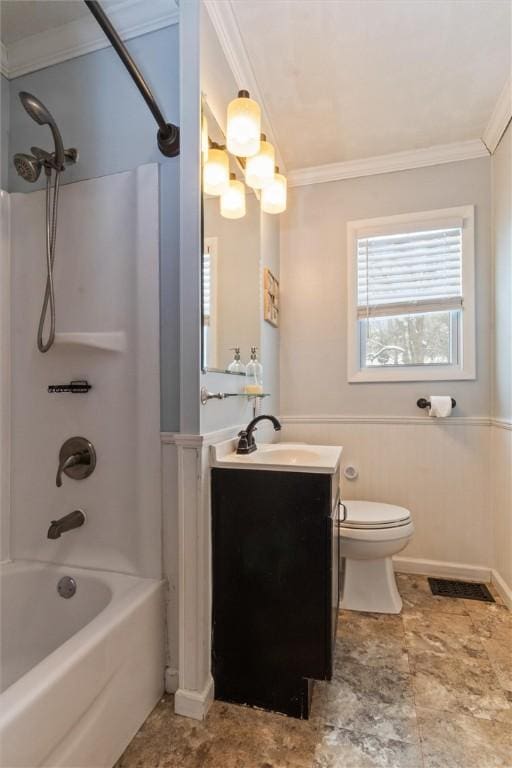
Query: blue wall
x=101, y=113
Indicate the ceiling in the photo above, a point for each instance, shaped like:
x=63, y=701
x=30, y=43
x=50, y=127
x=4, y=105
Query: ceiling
x=22, y=18
x=350, y=79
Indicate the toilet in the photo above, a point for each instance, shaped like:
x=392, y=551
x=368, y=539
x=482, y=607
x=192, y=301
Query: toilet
x=370, y=534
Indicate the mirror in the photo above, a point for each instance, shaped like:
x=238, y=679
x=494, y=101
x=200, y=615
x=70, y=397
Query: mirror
x=231, y=274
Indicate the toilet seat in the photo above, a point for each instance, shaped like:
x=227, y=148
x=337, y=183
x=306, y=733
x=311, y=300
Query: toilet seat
x=373, y=515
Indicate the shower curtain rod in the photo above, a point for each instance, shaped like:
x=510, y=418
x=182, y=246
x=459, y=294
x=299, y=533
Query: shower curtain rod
x=168, y=136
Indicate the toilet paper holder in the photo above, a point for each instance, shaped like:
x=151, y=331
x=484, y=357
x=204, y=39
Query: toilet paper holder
x=424, y=403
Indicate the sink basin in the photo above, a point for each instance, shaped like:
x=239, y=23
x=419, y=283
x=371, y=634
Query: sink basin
x=283, y=457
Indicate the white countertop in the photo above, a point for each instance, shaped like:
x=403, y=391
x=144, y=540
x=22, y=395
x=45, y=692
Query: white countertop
x=279, y=457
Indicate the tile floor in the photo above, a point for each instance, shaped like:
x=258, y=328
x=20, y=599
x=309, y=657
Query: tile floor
x=431, y=688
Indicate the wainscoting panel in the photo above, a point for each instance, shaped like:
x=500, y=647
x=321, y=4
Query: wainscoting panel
x=439, y=471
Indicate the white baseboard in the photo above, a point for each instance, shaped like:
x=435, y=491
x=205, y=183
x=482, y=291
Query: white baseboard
x=502, y=587
x=171, y=680
x=194, y=704
x=442, y=569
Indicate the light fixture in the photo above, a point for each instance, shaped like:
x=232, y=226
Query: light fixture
x=259, y=169
x=273, y=195
x=232, y=199
x=204, y=138
x=216, y=171
x=243, y=126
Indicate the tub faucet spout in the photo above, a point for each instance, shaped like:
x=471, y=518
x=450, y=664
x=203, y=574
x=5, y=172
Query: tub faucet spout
x=73, y=520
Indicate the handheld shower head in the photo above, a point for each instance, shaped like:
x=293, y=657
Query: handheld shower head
x=42, y=116
x=27, y=166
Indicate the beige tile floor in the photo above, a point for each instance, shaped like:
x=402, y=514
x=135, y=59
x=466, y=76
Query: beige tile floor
x=431, y=688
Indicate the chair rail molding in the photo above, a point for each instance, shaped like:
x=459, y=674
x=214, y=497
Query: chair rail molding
x=131, y=18
x=426, y=421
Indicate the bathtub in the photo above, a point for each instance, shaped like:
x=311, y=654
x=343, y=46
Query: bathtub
x=79, y=675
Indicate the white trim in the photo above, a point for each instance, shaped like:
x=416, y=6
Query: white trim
x=6, y=367
x=4, y=64
x=501, y=423
x=171, y=679
x=502, y=588
x=500, y=118
x=466, y=369
x=425, y=421
x=224, y=22
x=194, y=704
x=442, y=569
x=199, y=441
x=131, y=18
x=397, y=161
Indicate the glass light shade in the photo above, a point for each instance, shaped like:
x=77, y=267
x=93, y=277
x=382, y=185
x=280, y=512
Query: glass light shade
x=232, y=200
x=243, y=126
x=259, y=169
x=204, y=138
x=273, y=195
x=216, y=172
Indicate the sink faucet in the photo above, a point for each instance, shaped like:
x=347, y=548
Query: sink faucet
x=247, y=444
x=73, y=520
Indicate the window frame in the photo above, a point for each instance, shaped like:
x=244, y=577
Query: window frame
x=465, y=367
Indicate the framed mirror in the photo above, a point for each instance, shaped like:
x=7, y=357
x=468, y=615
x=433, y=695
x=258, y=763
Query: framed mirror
x=231, y=271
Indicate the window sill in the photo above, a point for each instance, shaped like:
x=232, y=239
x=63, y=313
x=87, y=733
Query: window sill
x=380, y=375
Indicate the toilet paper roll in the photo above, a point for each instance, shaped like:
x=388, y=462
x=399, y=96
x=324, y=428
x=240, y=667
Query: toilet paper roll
x=440, y=406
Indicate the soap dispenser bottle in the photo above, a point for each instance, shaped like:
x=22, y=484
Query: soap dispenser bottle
x=254, y=373
x=236, y=365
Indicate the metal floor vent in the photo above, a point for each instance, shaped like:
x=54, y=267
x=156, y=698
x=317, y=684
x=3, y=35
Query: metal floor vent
x=466, y=589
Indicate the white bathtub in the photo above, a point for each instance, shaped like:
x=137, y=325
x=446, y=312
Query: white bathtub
x=81, y=674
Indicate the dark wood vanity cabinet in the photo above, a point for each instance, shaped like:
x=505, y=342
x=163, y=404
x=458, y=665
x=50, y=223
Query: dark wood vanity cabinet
x=275, y=586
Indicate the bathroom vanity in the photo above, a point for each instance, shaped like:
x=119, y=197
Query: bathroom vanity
x=276, y=573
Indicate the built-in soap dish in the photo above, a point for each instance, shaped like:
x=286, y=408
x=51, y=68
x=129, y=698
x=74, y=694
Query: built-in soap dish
x=113, y=341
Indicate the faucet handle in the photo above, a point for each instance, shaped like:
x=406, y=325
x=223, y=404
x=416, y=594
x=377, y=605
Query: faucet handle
x=77, y=459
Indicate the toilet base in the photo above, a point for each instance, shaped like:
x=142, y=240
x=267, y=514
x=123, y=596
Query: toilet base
x=370, y=586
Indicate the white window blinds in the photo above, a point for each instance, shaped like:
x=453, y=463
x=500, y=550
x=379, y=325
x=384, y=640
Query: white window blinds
x=403, y=273
x=207, y=286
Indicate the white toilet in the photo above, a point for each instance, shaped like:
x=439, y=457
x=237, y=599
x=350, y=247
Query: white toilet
x=370, y=535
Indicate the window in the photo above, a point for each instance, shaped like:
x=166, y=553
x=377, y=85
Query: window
x=411, y=297
x=209, y=302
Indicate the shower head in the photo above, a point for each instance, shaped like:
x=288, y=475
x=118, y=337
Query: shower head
x=42, y=116
x=27, y=166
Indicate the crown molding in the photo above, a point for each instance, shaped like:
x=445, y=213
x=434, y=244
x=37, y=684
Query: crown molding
x=227, y=30
x=131, y=18
x=398, y=161
x=500, y=118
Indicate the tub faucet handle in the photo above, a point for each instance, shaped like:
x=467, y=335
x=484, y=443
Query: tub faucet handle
x=77, y=459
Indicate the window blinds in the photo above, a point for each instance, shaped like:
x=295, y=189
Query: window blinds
x=417, y=271
x=207, y=286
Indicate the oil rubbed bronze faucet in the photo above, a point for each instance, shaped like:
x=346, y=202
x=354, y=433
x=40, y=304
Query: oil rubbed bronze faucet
x=73, y=520
x=247, y=443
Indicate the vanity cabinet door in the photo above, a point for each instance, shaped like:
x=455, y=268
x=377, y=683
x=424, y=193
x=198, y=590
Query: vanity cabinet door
x=272, y=583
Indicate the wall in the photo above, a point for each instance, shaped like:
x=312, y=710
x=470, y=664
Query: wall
x=100, y=111
x=437, y=469
x=5, y=87
x=501, y=431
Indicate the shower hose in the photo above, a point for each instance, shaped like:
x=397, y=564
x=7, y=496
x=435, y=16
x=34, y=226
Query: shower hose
x=52, y=204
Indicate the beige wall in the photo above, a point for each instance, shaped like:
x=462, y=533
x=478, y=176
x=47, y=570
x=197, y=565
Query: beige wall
x=439, y=470
x=501, y=440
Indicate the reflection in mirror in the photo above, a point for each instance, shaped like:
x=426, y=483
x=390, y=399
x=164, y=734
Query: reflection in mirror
x=231, y=275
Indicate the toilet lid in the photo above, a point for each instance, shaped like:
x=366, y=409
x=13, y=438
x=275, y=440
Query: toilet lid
x=374, y=514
